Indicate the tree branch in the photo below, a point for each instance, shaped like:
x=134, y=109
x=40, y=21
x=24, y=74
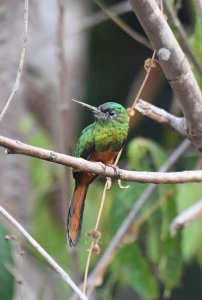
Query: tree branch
x=16, y=147
x=161, y=116
x=174, y=64
x=47, y=257
x=189, y=215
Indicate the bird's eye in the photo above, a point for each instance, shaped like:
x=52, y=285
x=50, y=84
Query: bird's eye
x=112, y=113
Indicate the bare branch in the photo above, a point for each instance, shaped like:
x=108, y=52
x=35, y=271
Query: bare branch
x=189, y=215
x=80, y=164
x=47, y=257
x=21, y=63
x=161, y=116
x=174, y=64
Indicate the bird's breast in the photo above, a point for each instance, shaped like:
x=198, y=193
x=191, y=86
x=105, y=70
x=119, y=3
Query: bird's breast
x=106, y=157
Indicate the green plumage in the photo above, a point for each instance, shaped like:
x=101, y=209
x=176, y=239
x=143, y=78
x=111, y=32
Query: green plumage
x=100, y=141
x=104, y=134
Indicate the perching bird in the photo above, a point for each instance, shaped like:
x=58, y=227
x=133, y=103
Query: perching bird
x=99, y=142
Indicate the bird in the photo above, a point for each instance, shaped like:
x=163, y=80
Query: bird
x=101, y=141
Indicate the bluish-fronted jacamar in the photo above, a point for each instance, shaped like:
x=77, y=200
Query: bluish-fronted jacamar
x=99, y=142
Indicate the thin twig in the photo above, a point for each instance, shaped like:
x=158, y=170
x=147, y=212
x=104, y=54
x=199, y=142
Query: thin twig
x=183, y=37
x=148, y=70
x=124, y=26
x=92, y=244
x=115, y=164
x=65, y=134
x=47, y=257
x=98, y=272
x=21, y=63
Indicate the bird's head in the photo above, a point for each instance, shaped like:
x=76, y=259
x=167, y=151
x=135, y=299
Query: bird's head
x=107, y=111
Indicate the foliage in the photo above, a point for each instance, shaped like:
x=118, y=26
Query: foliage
x=150, y=260
x=6, y=261
x=151, y=254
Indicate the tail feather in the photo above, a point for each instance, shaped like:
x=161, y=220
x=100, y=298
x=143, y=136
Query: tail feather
x=75, y=215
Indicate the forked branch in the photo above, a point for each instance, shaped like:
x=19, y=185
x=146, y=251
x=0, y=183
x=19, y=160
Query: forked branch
x=174, y=65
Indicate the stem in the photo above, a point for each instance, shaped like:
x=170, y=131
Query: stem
x=41, y=250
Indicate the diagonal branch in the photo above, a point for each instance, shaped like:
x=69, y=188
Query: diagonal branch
x=189, y=215
x=47, y=257
x=174, y=65
x=183, y=36
x=96, y=276
x=124, y=26
x=160, y=115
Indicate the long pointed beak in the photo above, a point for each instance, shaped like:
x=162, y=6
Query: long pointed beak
x=94, y=109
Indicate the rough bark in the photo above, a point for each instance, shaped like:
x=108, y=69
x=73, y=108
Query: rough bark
x=174, y=65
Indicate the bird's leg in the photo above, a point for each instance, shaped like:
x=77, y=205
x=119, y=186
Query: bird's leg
x=116, y=169
x=117, y=172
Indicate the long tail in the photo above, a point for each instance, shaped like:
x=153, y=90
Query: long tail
x=75, y=215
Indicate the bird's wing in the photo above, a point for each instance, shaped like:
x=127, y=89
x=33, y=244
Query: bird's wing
x=85, y=146
x=86, y=142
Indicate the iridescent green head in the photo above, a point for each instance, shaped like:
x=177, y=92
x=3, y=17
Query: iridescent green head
x=108, y=111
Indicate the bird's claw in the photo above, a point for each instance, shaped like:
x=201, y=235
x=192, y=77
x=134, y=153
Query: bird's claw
x=117, y=171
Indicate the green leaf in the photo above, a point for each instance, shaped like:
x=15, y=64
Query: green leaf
x=187, y=195
x=145, y=154
x=135, y=272
x=49, y=234
x=6, y=279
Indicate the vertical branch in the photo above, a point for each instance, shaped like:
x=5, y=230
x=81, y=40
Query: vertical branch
x=131, y=113
x=21, y=63
x=66, y=129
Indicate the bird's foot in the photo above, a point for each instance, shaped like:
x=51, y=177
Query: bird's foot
x=122, y=186
x=116, y=169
